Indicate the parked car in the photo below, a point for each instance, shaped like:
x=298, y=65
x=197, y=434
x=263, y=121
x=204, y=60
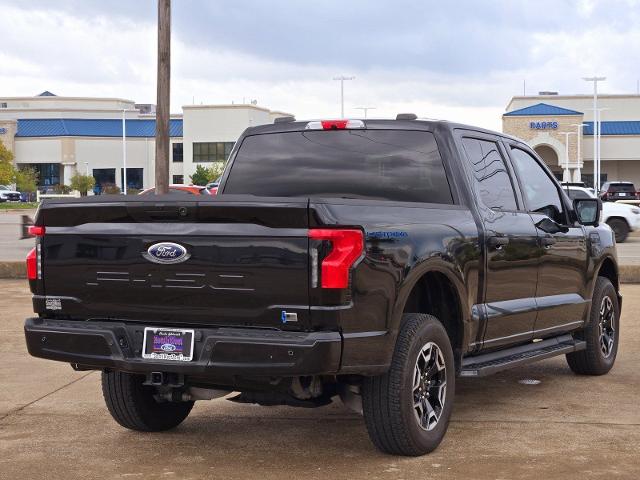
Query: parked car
x=213, y=186
x=180, y=190
x=614, y=191
x=620, y=217
x=416, y=252
x=8, y=194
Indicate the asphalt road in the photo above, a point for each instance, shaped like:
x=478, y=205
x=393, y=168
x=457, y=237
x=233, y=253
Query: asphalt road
x=53, y=424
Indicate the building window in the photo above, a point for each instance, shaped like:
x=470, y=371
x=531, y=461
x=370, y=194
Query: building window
x=134, y=178
x=211, y=152
x=48, y=173
x=105, y=179
x=177, y=152
x=178, y=179
x=3, y=105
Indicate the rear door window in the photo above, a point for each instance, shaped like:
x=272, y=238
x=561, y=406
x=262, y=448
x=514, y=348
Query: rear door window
x=490, y=174
x=398, y=165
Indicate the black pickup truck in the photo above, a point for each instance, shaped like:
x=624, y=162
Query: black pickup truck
x=371, y=260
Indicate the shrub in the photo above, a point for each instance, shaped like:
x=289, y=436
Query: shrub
x=82, y=183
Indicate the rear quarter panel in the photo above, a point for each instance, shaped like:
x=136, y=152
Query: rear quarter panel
x=403, y=242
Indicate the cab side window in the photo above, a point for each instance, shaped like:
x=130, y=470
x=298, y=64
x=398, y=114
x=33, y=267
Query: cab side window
x=490, y=174
x=540, y=191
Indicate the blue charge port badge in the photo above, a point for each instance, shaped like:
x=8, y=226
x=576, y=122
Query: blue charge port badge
x=287, y=317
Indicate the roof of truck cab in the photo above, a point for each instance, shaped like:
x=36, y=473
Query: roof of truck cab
x=387, y=124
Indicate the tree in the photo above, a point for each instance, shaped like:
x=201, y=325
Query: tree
x=200, y=176
x=82, y=183
x=26, y=179
x=203, y=175
x=7, y=169
x=215, y=170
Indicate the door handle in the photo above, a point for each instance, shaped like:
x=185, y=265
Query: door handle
x=498, y=242
x=547, y=242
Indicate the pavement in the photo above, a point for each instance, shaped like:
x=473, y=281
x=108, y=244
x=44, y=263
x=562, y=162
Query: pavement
x=53, y=424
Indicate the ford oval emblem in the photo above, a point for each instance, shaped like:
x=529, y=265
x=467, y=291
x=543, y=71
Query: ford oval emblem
x=166, y=252
x=168, y=347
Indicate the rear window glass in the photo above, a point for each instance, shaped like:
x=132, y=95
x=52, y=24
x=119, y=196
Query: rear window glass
x=622, y=187
x=394, y=165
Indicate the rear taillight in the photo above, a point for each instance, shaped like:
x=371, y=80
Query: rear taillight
x=32, y=264
x=36, y=230
x=335, y=125
x=346, y=246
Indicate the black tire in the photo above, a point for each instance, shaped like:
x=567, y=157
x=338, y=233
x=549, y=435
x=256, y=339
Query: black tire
x=620, y=228
x=133, y=406
x=595, y=360
x=388, y=400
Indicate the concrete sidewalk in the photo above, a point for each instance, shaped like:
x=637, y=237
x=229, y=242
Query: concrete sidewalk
x=53, y=424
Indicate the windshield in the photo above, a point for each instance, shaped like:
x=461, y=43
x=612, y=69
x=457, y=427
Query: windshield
x=376, y=164
x=575, y=193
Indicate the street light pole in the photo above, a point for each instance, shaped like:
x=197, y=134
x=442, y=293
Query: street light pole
x=342, y=78
x=365, y=110
x=596, y=131
x=124, y=153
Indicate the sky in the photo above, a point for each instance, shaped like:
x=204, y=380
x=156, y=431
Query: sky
x=456, y=60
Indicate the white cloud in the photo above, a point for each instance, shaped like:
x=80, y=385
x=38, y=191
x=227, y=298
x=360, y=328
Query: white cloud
x=76, y=52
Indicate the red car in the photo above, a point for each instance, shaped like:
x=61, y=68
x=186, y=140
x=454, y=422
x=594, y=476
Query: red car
x=180, y=190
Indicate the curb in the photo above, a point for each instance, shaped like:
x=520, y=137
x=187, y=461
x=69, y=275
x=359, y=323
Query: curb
x=8, y=270
x=629, y=273
x=13, y=270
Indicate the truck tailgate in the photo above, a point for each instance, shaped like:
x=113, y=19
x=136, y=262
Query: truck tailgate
x=240, y=256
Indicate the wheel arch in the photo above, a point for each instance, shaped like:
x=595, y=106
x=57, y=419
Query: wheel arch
x=609, y=269
x=430, y=291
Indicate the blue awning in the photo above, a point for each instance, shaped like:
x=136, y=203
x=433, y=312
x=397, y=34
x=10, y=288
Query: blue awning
x=72, y=127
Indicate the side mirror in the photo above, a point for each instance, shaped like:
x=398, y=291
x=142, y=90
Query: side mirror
x=588, y=210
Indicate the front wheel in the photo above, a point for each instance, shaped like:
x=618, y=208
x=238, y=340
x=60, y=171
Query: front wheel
x=601, y=333
x=407, y=409
x=135, y=406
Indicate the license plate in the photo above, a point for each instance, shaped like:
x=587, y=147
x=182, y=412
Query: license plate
x=622, y=194
x=168, y=344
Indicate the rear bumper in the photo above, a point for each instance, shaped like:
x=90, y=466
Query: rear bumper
x=218, y=352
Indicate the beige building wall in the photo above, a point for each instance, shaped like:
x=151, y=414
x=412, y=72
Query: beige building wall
x=519, y=126
x=619, y=107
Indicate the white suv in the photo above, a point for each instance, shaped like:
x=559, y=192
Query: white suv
x=620, y=217
x=7, y=194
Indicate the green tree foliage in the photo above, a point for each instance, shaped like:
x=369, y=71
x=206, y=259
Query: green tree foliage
x=203, y=175
x=200, y=176
x=26, y=179
x=7, y=170
x=82, y=183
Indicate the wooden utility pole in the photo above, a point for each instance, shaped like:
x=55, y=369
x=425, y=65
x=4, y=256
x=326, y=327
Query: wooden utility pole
x=162, y=102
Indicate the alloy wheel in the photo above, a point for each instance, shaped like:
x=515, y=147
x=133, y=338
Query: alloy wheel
x=429, y=386
x=607, y=326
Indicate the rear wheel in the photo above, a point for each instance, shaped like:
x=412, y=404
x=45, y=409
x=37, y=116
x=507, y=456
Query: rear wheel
x=407, y=409
x=620, y=229
x=601, y=333
x=134, y=405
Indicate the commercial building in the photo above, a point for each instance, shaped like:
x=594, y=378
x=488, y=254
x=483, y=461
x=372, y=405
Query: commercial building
x=60, y=136
x=560, y=129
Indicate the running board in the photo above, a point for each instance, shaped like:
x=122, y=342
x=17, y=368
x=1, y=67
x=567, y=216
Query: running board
x=488, y=363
